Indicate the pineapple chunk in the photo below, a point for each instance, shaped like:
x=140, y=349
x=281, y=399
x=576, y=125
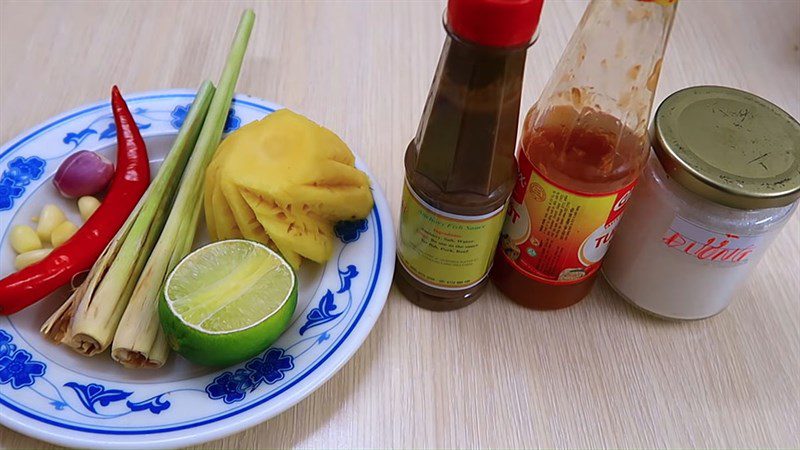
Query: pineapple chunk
x=284, y=181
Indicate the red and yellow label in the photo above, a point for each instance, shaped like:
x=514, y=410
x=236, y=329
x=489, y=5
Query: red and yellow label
x=554, y=235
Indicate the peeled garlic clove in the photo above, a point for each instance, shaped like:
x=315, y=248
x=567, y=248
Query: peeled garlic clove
x=62, y=233
x=24, y=239
x=87, y=205
x=26, y=259
x=49, y=219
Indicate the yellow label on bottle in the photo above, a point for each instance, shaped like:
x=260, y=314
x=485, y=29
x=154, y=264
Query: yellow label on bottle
x=443, y=250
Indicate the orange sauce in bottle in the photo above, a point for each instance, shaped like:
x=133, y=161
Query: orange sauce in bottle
x=592, y=154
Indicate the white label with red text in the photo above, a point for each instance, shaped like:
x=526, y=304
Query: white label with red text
x=705, y=244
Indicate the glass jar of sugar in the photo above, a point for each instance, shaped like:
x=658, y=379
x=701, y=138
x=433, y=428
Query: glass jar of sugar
x=723, y=178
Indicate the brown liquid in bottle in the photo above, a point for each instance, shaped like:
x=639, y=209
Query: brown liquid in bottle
x=592, y=153
x=462, y=159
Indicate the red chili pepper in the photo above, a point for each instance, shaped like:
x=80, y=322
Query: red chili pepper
x=78, y=254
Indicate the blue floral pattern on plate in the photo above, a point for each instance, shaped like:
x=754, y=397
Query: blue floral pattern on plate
x=9, y=191
x=271, y=367
x=350, y=230
x=24, y=170
x=21, y=171
x=178, y=116
x=18, y=369
x=76, y=138
x=92, y=393
x=153, y=404
x=6, y=347
x=17, y=366
x=230, y=387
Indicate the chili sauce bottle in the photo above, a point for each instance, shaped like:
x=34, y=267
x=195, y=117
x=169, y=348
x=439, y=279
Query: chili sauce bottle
x=460, y=167
x=582, y=148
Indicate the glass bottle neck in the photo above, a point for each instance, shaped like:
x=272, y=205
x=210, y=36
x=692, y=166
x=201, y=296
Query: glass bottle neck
x=613, y=61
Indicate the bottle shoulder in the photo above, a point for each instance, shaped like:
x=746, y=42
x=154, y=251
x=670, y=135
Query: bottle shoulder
x=660, y=187
x=456, y=201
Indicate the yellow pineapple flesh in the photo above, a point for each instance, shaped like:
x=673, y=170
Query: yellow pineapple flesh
x=284, y=181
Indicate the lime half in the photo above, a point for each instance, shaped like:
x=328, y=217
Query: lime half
x=227, y=301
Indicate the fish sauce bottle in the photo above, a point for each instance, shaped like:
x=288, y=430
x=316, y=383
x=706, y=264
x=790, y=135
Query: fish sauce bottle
x=460, y=167
x=583, y=146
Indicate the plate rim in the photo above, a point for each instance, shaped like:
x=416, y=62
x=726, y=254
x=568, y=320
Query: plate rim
x=249, y=415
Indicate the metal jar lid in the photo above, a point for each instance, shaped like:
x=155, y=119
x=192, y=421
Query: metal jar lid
x=729, y=146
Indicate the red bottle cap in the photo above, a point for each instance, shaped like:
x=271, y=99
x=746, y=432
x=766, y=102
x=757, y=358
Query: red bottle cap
x=494, y=23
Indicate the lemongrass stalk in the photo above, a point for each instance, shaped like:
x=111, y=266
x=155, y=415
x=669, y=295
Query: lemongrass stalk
x=158, y=351
x=137, y=342
x=98, y=308
x=56, y=328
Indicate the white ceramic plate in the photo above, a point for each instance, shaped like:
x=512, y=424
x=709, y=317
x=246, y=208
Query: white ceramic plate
x=51, y=393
